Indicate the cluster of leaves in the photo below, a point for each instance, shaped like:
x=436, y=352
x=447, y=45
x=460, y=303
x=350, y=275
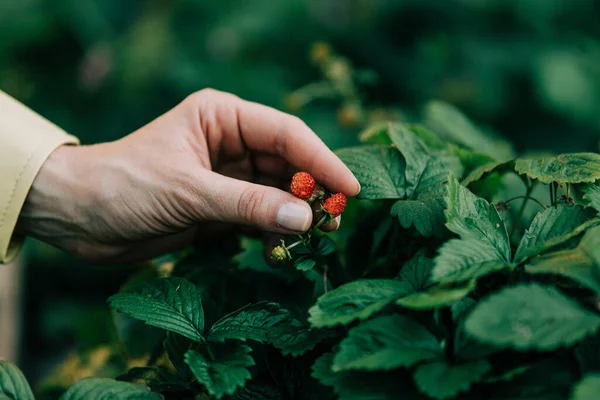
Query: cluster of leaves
x=439, y=289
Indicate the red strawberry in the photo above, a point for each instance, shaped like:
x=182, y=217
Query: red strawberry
x=335, y=204
x=302, y=185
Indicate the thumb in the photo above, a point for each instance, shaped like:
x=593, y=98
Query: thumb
x=264, y=207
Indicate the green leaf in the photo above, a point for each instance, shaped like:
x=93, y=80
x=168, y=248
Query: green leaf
x=470, y=160
x=416, y=272
x=448, y=120
x=426, y=215
x=431, y=139
x=484, y=246
x=548, y=224
x=326, y=245
x=304, y=263
x=530, y=317
x=355, y=300
x=577, y=264
x=268, y=323
x=379, y=169
x=376, y=134
x=564, y=168
x=173, y=304
x=322, y=370
x=573, y=264
x=385, y=343
x=104, y=388
x=588, y=388
x=466, y=348
x=424, y=169
x=437, y=296
x=592, y=194
x=559, y=240
x=461, y=260
x=441, y=380
x=253, y=321
x=225, y=371
x=472, y=217
x=13, y=384
x=487, y=169
x=296, y=339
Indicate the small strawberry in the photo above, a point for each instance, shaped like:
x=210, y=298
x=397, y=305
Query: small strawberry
x=335, y=204
x=279, y=253
x=302, y=185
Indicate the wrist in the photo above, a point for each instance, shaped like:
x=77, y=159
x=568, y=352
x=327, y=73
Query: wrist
x=48, y=210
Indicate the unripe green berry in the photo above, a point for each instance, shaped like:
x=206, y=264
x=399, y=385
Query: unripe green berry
x=278, y=253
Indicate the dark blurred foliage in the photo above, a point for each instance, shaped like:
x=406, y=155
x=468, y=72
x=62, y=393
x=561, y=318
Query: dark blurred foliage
x=528, y=69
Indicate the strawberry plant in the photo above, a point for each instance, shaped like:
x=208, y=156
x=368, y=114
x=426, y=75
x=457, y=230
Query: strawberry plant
x=462, y=271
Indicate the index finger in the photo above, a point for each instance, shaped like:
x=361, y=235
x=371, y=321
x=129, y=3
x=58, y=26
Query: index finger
x=266, y=129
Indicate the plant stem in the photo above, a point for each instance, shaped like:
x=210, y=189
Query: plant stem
x=526, y=197
x=321, y=221
x=291, y=246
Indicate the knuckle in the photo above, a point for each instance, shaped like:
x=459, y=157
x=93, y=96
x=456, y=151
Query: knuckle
x=213, y=95
x=201, y=96
x=207, y=92
x=250, y=204
x=298, y=123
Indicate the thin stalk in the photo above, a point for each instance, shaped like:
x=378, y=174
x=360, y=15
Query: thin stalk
x=291, y=246
x=526, y=197
x=321, y=221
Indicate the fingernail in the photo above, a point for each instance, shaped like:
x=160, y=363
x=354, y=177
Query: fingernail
x=357, y=184
x=294, y=217
x=338, y=219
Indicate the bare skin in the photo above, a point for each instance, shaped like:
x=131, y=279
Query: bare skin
x=213, y=159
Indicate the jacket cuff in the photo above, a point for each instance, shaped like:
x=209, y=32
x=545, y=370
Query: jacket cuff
x=26, y=141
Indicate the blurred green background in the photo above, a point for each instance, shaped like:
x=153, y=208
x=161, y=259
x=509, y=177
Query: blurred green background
x=528, y=69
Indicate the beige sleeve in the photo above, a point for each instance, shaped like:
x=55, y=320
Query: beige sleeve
x=26, y=140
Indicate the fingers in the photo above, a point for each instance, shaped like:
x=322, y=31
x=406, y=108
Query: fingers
x=274, y=165
x=265, y=129
x=264, y=207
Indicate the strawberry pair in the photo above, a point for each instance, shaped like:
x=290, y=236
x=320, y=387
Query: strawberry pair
x=303, y=187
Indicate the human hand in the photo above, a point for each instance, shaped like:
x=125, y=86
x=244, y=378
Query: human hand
x=214, y=158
